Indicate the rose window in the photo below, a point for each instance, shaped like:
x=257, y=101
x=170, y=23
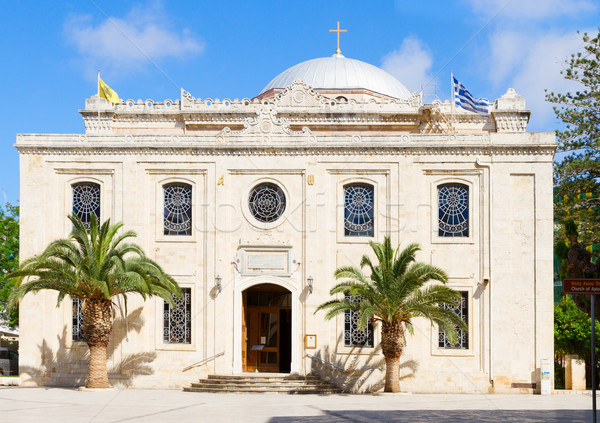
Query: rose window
x=266, y=202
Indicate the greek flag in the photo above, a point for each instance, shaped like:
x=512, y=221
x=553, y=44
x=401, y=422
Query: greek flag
x=464, y=99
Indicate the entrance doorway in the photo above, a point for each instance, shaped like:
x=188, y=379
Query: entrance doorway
x=267, y=329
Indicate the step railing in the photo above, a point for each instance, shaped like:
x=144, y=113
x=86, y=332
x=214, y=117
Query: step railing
x=328, y=363
x=206, y=360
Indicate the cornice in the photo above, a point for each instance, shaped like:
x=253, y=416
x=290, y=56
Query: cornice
x=289, y=150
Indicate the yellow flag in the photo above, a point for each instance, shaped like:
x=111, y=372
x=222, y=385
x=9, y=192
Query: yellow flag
x=106, y=92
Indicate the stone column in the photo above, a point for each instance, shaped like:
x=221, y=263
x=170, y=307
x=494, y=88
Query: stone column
x=574, y=372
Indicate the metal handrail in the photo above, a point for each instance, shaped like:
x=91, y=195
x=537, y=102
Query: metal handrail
x=206, y=360
x=337, y=366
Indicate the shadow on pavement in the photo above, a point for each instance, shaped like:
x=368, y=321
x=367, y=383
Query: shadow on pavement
x=451, y=416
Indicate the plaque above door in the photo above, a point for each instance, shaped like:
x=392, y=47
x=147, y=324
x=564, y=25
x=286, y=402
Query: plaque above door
x=265, y=257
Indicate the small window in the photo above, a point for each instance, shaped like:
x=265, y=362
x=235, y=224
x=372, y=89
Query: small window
x=177, y=328
x=77, y=328
x=453, y=210
x=86, y=202
x=177, y=209
x=353, y=336
x=463, y=337
x=359, y=210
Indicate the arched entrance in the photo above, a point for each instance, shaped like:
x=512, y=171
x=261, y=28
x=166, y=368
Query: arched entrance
x=266, y=329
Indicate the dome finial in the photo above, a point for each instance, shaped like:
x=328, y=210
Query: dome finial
x=338, y=30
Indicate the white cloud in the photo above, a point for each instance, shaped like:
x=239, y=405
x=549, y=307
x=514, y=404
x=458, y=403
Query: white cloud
x=532, y=9
x=410, y=64
x=533, y=67
x=123, y=45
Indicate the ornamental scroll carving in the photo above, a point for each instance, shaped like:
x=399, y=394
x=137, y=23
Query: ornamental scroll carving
x=264, y=125
x=299, y=95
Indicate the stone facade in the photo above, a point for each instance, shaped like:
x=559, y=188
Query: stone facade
x=311, y=146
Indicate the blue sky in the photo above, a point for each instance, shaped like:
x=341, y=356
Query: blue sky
x=51, y=51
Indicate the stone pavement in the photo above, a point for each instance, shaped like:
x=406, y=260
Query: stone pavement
x=138, y=405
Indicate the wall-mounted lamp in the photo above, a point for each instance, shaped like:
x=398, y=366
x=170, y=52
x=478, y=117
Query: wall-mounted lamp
x=310, y=281
x=218, y=283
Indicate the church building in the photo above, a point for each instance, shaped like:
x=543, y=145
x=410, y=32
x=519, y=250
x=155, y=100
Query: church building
x=252, y=204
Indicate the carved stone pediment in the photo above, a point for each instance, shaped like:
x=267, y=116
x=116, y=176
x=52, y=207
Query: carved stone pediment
x=266, y=124
x=299, y=95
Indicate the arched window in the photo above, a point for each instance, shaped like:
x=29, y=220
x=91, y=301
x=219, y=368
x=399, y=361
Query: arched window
x=177, y=209
x=86, y=201
x=453, y=210
x=359, y=210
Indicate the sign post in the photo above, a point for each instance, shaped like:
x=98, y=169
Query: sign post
x=594, y=366
x=590, y=287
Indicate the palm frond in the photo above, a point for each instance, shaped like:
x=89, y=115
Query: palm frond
x=94, y=264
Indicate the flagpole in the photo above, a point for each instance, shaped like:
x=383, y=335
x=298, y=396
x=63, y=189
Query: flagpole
x=98, y=101
x=452, y=99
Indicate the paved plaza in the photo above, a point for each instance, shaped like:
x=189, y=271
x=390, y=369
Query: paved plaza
x=137, y=405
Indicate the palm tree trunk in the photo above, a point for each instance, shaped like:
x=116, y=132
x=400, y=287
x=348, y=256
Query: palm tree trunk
x=97, y=326
x=392, y=345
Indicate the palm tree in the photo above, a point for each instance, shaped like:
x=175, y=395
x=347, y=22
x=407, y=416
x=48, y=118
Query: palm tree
x=396, y=292
x=94, y=266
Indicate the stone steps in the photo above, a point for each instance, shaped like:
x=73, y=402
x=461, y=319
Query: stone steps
x=281, y=384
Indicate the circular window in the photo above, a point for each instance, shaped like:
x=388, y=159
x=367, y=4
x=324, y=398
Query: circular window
x=266, y=202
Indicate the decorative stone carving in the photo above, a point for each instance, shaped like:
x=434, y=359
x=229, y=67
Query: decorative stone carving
x=299, y=95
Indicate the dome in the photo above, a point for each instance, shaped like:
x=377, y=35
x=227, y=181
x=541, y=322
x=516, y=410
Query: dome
x=340, y=73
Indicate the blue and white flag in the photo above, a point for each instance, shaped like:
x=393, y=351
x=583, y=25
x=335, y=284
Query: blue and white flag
x=464, y=99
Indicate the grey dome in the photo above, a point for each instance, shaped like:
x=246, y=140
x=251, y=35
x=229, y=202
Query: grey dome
x=339, y=73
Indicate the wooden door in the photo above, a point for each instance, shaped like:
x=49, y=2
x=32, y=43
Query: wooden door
x=244, y=334
x=262, y=339
x=269, y=339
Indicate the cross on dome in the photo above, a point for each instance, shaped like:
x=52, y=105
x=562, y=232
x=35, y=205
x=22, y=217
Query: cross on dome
x=338, y=30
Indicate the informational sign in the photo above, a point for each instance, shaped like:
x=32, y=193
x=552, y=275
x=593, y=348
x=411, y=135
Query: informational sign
x=581, y=286
x=267, y=261
x=546, y=372
x=310, y=341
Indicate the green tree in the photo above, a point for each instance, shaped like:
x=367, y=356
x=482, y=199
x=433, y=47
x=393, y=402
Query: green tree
x=9, y=259
x=396, y=292
x=573, y=332
x=95, y=267
x=576, y=176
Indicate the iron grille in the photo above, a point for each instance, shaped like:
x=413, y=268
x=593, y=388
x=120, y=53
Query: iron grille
x=177, y=327
x=463, y=336
x=77, y=328
x=353, y=336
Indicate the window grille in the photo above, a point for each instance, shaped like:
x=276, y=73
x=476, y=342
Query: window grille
x=177, y=328
x=463, y=337
x=177, y=209
x=353, y=336
x=266, y=202
x=77, y=328
x=358, y=210
x=453, y=209
x=86, y=202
